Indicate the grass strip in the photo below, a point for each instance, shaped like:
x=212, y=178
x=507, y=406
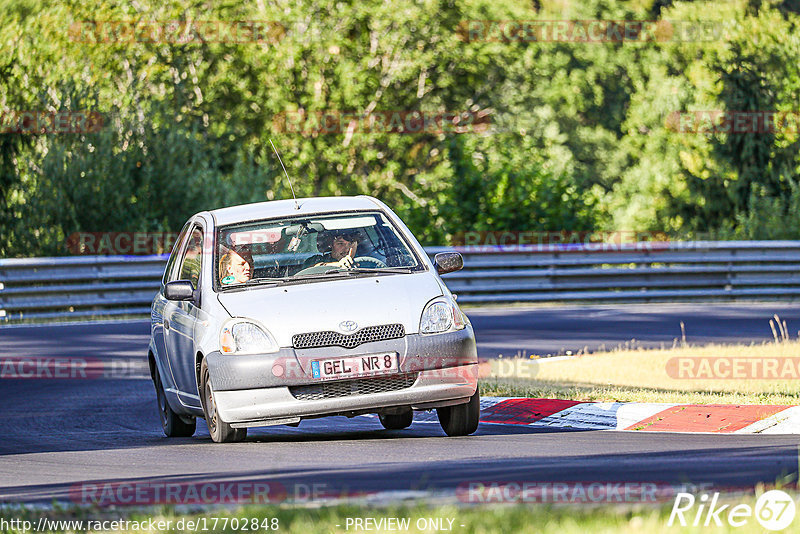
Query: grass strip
x=765, y=373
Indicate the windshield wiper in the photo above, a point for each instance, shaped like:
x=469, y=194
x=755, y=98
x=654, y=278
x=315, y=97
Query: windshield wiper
x=379, y=270
x=256, y=282
x=265, y=280
x=317, y=276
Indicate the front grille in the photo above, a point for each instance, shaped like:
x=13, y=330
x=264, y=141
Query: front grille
x=347, y=388
x=329, y=338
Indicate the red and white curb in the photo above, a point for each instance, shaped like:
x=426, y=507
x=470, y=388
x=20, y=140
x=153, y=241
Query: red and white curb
x=637, y=416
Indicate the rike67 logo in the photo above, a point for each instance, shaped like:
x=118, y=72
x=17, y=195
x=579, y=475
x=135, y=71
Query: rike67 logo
x=774, y=510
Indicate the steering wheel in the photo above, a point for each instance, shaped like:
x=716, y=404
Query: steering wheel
x=372, y=263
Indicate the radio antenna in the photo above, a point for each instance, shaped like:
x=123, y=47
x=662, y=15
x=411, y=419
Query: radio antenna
x=296, y=205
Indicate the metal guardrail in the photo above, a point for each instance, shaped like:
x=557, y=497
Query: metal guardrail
x=81, y=286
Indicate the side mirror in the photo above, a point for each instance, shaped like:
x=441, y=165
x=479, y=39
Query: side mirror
x=448, y=262
x=179, y=290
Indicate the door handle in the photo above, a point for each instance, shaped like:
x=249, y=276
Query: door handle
x=166, y=324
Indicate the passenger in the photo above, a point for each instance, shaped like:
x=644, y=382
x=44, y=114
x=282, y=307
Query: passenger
x=236, y=266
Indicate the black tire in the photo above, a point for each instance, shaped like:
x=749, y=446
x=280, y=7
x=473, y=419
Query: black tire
x=221, y=432
x=461, y=419
x=174, y=425
x=397, y=421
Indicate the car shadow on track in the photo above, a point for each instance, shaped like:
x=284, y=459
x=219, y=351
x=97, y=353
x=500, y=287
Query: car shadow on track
x=359, y=428
x=55, y=432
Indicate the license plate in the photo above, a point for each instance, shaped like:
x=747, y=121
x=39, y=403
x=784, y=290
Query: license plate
x=364, y=365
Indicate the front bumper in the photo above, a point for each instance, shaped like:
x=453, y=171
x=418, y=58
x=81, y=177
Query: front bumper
x=289, y=367
x=277, y=405
x=256, y=388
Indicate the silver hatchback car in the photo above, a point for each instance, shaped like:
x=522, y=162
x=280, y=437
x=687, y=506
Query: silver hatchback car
x=275, y=312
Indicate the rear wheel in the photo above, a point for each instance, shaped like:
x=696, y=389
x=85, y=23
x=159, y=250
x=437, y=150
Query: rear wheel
x=461, y=419
x=397, y=421
x=221, y=432
x=174, y=425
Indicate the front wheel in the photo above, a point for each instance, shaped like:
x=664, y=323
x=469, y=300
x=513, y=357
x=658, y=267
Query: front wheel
x=174, y=425
x=461, y=419
x=221, y=432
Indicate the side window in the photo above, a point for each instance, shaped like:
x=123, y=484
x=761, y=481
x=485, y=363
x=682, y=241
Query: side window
x=176, y=252
x=192, y=258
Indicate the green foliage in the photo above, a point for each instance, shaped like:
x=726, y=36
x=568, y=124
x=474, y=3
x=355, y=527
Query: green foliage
x=716, y=183
x=580, y=136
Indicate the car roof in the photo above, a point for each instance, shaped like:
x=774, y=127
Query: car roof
x=288, y=208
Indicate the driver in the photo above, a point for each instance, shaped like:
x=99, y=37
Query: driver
x=341, y=248
x=236, y=266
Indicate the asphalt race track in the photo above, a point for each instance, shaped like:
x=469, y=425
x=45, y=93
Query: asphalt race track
x=61, y=433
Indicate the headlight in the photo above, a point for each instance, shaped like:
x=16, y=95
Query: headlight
x=441, y=315
x=245, y=337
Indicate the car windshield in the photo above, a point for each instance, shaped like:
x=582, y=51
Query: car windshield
x=300, y=249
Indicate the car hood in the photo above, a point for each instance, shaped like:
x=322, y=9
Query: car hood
x=316, y=306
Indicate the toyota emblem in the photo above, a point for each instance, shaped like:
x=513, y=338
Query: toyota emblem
x=348, y=326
